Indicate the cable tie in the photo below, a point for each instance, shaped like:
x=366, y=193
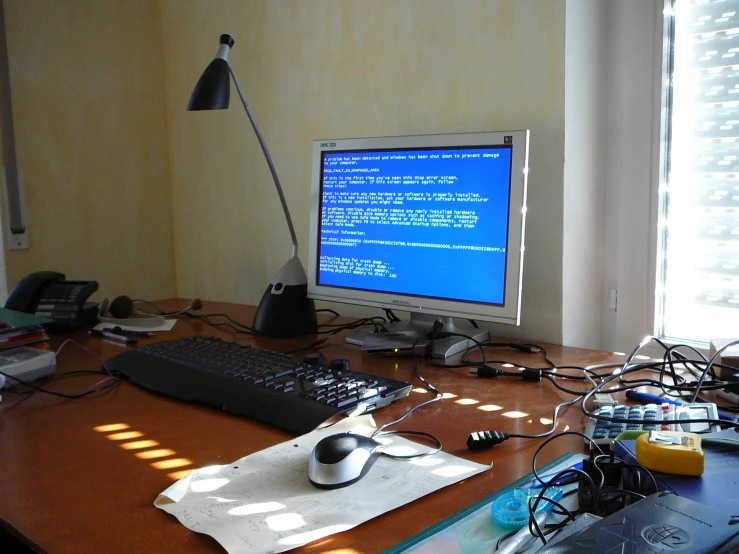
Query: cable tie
x=529, y=374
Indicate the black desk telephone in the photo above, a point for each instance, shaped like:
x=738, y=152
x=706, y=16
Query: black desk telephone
x=48, y=293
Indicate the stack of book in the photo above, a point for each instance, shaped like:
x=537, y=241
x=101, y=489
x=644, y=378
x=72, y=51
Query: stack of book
x=21, y=329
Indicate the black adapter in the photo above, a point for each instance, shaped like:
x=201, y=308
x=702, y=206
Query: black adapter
x=608, y=496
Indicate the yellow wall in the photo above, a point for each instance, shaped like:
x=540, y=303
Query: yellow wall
x=87, y=87
x=349, y=68
x=124, y=186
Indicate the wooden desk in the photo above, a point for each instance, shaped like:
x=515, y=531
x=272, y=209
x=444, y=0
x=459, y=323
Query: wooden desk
x=68, y=487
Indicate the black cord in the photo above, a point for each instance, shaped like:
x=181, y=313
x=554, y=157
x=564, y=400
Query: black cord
x=34, y=388
x=323, y=329
x=391, y=317
x=631, y=385
x=110, y=380
x=380, y=431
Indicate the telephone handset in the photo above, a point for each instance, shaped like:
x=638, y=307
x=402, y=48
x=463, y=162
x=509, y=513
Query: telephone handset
x=49, y=294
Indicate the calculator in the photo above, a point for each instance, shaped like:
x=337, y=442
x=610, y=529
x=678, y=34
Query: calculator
x=647, y=418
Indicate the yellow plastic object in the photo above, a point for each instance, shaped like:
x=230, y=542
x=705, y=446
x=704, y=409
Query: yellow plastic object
x=673, y=452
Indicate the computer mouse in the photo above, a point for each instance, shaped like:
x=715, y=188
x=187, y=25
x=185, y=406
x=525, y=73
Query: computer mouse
x=342, y=459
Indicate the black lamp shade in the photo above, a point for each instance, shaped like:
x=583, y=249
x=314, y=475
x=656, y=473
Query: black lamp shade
x=213, y=89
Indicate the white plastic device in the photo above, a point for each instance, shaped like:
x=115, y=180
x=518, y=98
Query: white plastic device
x=26, y=364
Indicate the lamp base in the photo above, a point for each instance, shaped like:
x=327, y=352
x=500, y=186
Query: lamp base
x=285, y=310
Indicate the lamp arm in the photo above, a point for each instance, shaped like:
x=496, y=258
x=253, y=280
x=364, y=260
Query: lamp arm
x=272, y=169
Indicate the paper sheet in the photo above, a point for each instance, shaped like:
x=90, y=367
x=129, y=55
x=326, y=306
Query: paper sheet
x=264, y=503
x=166, y=326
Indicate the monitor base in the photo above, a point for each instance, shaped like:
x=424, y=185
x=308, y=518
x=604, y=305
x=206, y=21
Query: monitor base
x=402, y=339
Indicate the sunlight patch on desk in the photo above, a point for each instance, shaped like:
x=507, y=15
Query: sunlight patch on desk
x=467, y=401
x=138, y=445
x=171, y=464
x=448, y=395
x=545, y=421
x=426, y=462
x=207, y=485
x=620, y=353
x=452, y=471
x=285, y=522
x=514, y=414
x=258, y=508
x=110, y=428
x=489, y=408
x=342, y=551
x=507, y=365
x=126, y=435
x=310, y=536
x=420, y=390
x=177, y=475
x=151, y=454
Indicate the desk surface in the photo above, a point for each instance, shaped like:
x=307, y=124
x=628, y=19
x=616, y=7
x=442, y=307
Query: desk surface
x=68, y=487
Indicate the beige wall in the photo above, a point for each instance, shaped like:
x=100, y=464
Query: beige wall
x=348, y=68
x=88, y=98
x=125, y=186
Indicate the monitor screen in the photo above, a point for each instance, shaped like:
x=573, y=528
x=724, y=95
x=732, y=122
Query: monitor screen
x=431, y=223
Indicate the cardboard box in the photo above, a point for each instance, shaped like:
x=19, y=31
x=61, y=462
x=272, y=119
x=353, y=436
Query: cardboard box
x=729, y=357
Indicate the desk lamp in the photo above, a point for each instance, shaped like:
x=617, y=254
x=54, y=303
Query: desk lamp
x=285, y=309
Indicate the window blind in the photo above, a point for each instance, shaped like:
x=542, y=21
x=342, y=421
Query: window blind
x=698, y=285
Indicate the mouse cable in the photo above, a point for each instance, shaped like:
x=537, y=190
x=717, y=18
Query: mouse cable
x=380, y=431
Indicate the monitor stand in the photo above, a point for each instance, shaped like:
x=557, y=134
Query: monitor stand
x=399, y=339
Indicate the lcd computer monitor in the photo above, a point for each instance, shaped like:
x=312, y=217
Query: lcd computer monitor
x=429, y=224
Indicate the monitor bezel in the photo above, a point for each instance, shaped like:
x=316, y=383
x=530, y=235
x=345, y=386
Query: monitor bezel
x=510, y=311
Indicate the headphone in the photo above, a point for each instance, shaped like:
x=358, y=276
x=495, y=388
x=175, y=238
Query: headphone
x=121, y=311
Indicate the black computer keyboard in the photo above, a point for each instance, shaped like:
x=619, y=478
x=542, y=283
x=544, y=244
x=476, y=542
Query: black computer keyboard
x=272, y=387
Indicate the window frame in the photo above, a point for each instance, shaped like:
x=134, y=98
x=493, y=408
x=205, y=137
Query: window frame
x=635, y=170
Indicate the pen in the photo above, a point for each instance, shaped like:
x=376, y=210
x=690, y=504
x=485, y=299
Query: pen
x=651, y=398
x=113, y=336
x=118, y=331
